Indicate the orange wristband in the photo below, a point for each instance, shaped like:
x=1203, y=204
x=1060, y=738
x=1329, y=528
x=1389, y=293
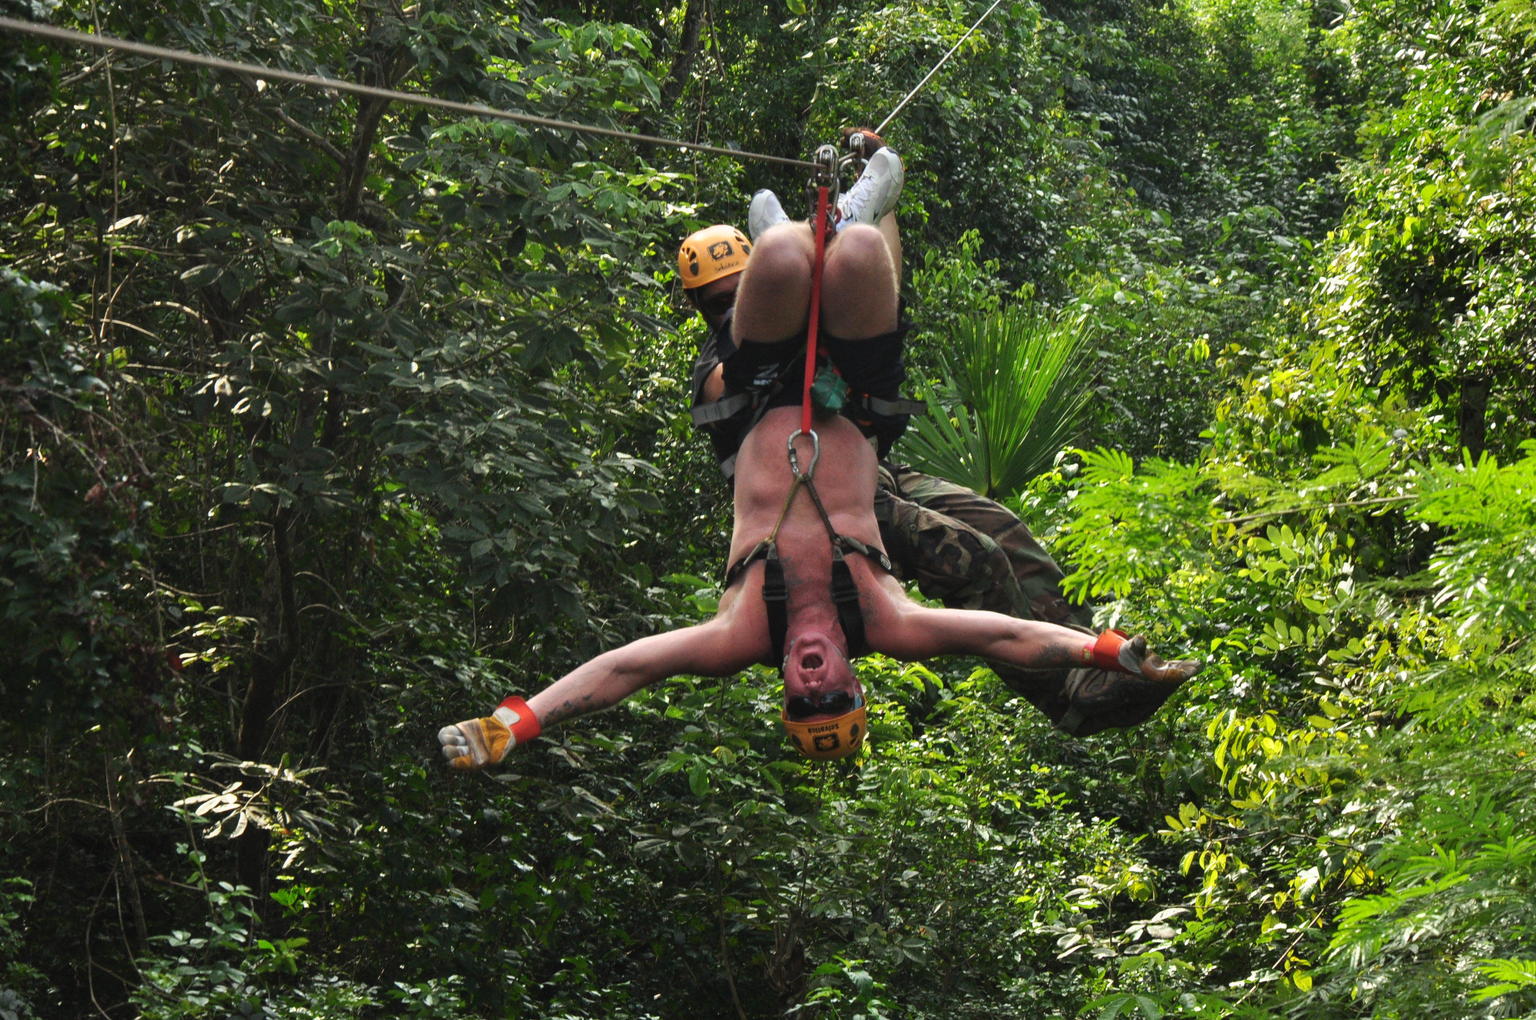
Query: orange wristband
x=524, y=724
x=1104, y=651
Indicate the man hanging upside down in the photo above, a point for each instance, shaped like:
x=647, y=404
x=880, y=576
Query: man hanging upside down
x=810, y=587
x=961, y=548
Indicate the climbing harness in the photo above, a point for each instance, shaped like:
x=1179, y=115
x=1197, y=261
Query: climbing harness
x=844, y=734
x=821, y=385
x=845, y=593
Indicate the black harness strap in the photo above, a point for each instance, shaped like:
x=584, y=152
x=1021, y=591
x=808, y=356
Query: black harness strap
x=736, y=403
x=746, y=407
x=890, y=408
x=749, y=406
x=720, y=410
x=845, y=591
x=845, y=596
x=776, y=602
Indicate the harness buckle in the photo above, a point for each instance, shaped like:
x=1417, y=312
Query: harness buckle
x=794, y=455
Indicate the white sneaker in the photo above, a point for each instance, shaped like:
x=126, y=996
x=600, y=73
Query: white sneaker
x=875, y=193
x=764, y=212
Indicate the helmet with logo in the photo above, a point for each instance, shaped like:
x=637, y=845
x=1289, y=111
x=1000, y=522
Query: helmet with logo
x=837, y=737
x=712, y=253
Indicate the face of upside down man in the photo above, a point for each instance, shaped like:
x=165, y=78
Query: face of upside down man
x=824, y=712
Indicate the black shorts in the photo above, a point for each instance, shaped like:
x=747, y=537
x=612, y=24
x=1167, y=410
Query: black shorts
x=773, y=375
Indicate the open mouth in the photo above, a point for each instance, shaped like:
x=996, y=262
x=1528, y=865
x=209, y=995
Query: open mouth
x=810, y=661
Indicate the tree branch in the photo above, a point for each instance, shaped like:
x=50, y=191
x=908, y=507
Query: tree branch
x=316, y=139
x=1344, y=504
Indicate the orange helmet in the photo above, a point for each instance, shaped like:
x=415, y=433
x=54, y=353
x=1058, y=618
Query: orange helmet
x=837, y=737
x=709, y=254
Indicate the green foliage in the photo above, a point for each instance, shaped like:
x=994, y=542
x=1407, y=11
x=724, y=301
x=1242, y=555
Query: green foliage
x=1018, y=381
x=1132, y=528
x=323, y=421
x=1347, y=811
x=1486, y=575
x=952, y=284
x=20, y=978
x=1425, y=277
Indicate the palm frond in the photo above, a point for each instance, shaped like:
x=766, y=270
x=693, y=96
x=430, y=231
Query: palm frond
x=1014, y=392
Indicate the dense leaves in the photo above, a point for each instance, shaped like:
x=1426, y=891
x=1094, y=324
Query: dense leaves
x=326, y=420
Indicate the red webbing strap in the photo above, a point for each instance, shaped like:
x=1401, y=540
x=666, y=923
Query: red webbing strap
x=815, y=312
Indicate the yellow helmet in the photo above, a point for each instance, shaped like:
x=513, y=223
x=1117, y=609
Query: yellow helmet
x=709, y=254
x=837, y=737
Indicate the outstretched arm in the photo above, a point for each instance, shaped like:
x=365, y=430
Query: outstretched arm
x=912, y=632
x=707, y=649
x=701, y=650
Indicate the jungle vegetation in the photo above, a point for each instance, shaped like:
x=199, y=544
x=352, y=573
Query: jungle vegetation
x=326, y=420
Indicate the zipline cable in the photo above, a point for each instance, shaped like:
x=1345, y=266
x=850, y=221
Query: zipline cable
x=942, y=61
x=66, y=35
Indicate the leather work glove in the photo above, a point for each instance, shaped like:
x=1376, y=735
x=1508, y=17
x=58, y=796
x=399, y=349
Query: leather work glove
x=866, y=145
x=477, y=743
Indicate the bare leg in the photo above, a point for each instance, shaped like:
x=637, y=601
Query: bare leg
x=858, y=290
x=774, y=299
x=892, y=234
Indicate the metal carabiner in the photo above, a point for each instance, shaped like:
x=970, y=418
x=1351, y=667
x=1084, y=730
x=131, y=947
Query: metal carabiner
x=826, y=160
x=794, y=455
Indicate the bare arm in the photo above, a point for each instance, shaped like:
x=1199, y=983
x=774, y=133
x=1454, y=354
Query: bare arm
x=920, y=632
x=724, y=645
x=703, y=650
x=910, y=631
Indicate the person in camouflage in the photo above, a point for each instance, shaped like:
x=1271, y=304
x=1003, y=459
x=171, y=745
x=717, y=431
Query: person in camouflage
x=970, y=552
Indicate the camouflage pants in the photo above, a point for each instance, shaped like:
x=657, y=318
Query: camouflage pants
x=969, y=552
